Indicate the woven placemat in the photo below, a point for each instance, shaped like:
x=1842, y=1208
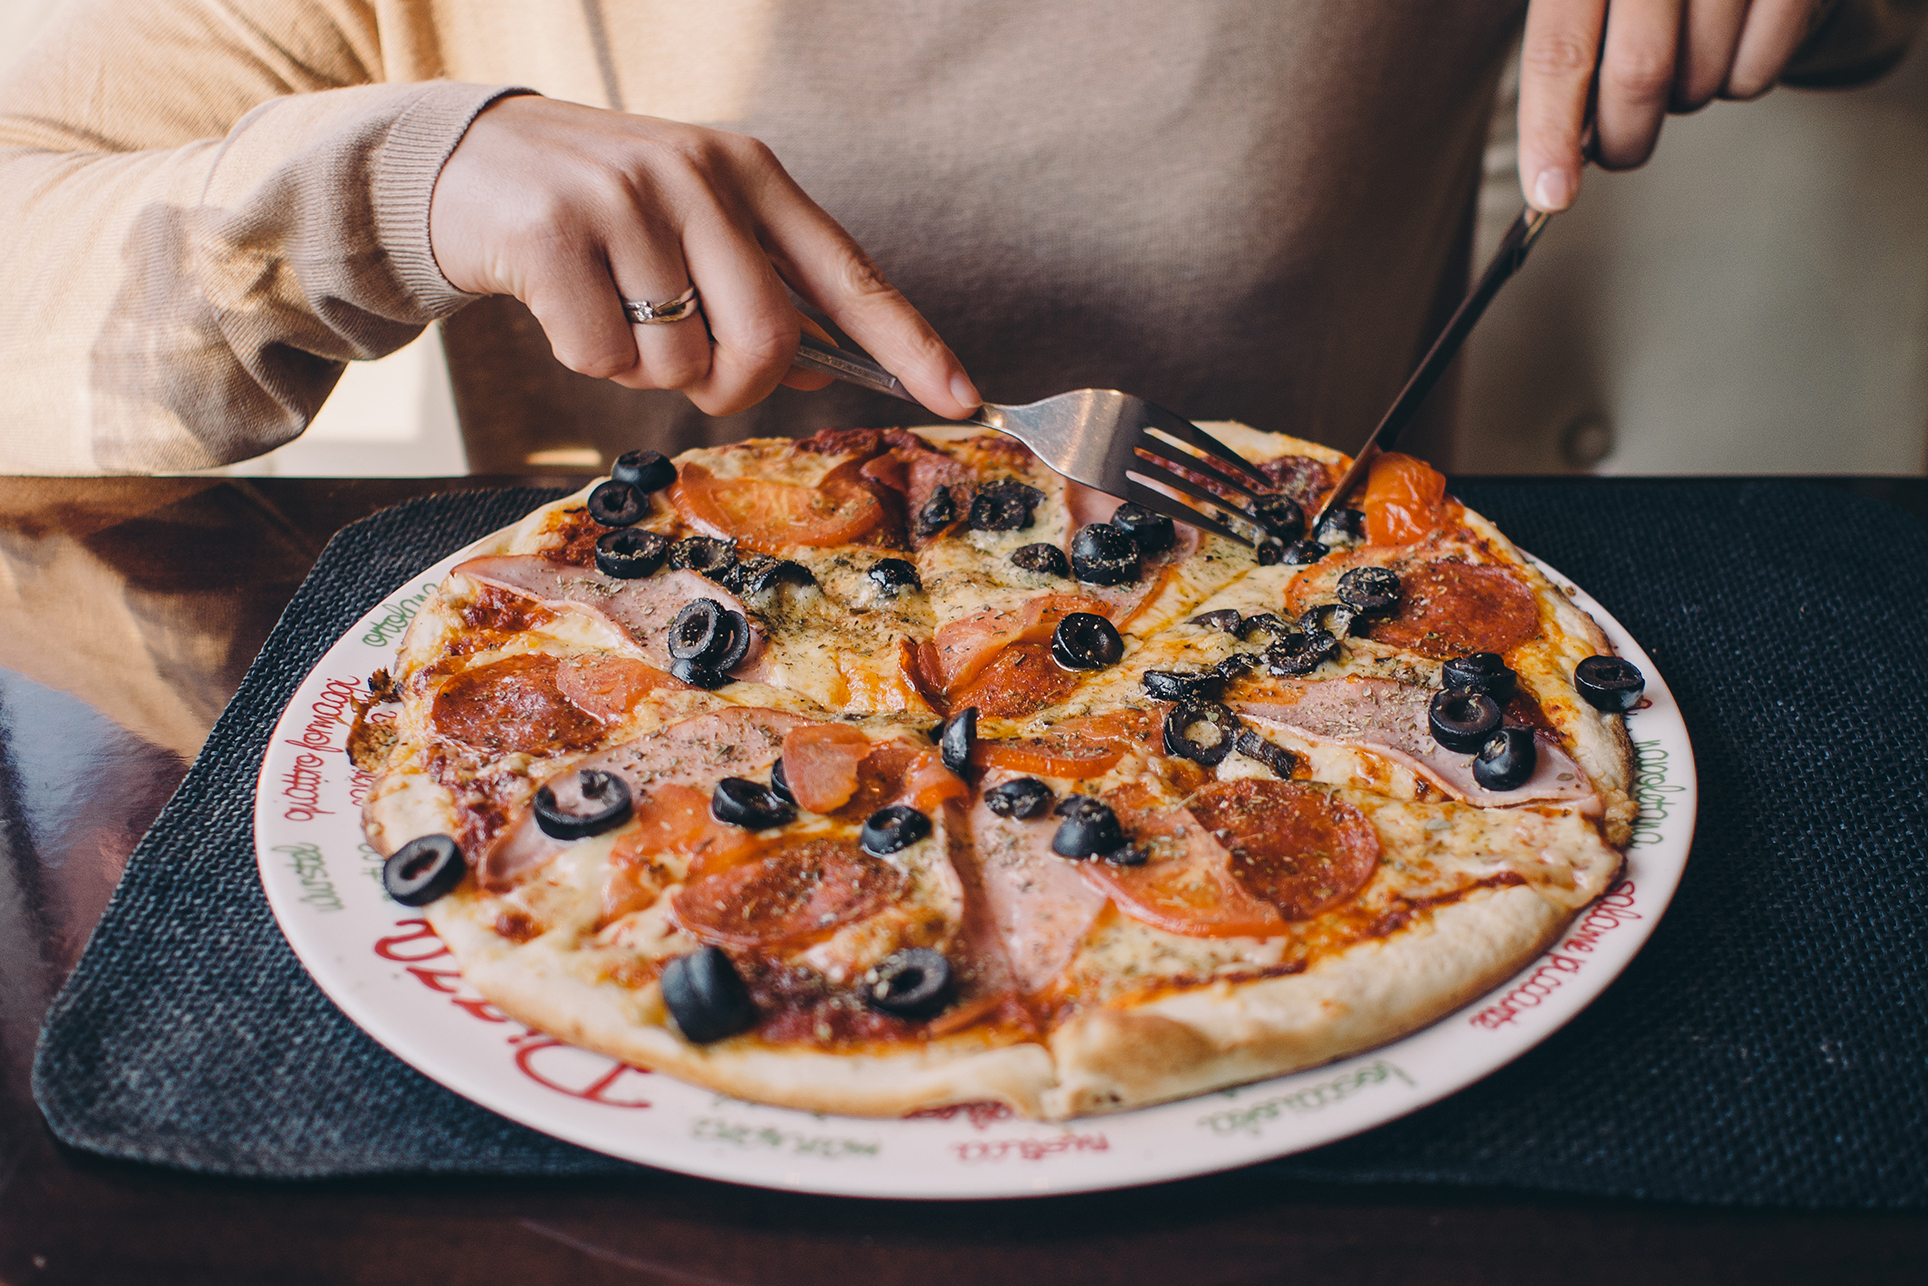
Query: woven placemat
x=1769, y=1047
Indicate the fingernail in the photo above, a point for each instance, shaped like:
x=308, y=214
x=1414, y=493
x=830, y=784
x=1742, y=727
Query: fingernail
x=965, y=392
x=1553, y=190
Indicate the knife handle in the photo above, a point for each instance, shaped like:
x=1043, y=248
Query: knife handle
x=853, y=368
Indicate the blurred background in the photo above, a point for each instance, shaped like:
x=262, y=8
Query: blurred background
x=1755, y=300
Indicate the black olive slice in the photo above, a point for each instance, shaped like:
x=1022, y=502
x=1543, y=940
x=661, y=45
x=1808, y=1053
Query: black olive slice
x=1334, y=618
x=1271, y=551
x=1302, y=553
x=630, y=554
x=1088, y=829
x=1480, y=672
x=912, y=983
x=1201, y=731
x=958, y=736
x=1003, y=506
x=1128, y=855
x=646, y=471
x=700, y=631
x=1025, y=798
x=703, y=554
x=893, y=576
x=1342, y=525
x=889, y=829
x=616, y=504
x=705, y=995
x=698, y=675
x=591, y=803
x=423, y=870
x=1263, y=623
x=780, y=784
x=1102, y=554
x=1274, y=756
x=1047, y=560
x=1279, y=515
x=939, y=512
x=1086, y=641
x=759, y=573
x=1224, y=618
x=738, y=801
x=1153, y=531
x=1507, y=759
x=1462, y=721
x=1297, y=654
x=1371, y=591
x=1609, y=683
x=1182, y=685
x=1230, y=667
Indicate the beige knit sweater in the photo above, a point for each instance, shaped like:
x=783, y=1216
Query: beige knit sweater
x=1246, y=209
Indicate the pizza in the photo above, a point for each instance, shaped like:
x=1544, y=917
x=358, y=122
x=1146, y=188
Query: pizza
x=882, y=770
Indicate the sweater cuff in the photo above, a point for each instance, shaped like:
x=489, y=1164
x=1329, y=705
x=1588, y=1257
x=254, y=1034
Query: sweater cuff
x=411, y=159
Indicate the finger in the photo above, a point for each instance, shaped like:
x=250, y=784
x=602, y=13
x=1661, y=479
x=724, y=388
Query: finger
x=827, y=267
x=1557, y=57
x=809, y=381
x=1709, y=32
x=1636, y=79
x=1774, y=30
x=753, y=324
x=646, y=264
x=571, y=293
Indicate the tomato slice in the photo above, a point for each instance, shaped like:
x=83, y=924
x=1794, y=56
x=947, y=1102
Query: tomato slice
x=820, y=764
x=770, y=517
x=608, y=686
x=1187, y=887
x=676, y=819
x=1021, y=680
x=1405, y=500
x=1047, y=757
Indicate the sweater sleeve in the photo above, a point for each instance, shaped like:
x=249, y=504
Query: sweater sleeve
x=209, y=208
x=1852, y=42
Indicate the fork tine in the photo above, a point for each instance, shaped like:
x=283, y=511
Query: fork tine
x=1185, y=431
x=1147, y=471
x=1159, y=502
x=1201, y=464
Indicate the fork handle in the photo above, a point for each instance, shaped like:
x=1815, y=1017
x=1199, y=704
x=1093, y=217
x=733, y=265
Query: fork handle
x=853, y=368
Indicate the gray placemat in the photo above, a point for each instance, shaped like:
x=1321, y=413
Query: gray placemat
x=1768, y=1047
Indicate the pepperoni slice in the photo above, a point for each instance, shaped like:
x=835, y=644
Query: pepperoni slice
x=770, y=517
x=820, y=763
x=606, y=686
x=1021, y=680
x=1448, y=609
x=1292, y=846
x=676, y=819
x=1405, y=500
x=512, y=704
x=802, y=890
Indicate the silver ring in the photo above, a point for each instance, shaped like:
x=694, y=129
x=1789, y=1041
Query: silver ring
x=643, y=313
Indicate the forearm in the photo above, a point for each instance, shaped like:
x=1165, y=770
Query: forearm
x=188, y=307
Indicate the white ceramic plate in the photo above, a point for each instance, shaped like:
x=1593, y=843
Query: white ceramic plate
x=390, y=974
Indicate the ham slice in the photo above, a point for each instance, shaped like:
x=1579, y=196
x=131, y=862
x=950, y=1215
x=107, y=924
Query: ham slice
x=642, y=609
x=1039, y=904
x=699, y=752
x=1390, y=717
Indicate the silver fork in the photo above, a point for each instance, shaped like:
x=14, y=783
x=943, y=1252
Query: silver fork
x=1105, y=439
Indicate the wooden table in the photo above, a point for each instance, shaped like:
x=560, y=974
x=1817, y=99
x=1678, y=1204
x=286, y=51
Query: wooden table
x=129, y=609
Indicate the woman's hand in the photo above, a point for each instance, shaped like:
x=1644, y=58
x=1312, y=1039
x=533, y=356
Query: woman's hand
x=573, y=209
x=1652, y=57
